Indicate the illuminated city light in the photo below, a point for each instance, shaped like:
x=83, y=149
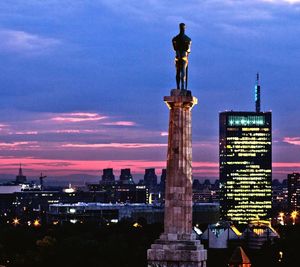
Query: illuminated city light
x=281, y=218
x=137, y=225
x=36, y=223
x=16, y=221
x=294, y=215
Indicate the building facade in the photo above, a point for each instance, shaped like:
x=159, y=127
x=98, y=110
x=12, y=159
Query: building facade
x=150, y=178
x=293, y=191
x=245, y=149
x=108, y=176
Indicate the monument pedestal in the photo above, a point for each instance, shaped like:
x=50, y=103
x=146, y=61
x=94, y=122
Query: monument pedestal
x=177, y=253
x=177, y=246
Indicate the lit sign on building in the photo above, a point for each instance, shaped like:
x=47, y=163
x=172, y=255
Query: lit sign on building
x=235, y=120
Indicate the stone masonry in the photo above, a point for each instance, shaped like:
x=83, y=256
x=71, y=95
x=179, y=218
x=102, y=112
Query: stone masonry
x=177, y=246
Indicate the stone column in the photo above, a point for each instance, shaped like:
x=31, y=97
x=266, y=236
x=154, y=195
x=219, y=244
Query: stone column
x=178, y=246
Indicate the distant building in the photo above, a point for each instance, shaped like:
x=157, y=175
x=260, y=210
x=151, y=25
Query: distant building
x=121, y=193
x=108, y=212
x=258, y=233
x=97, y=212
x=108, y=176
x=245, y=164
x=126, y=177
x=20, y=178
x=280, y=197
x=221, y=234
x=293, y=191
x=150, y=178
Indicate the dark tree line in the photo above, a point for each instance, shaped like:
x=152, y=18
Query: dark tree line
x=118, y=245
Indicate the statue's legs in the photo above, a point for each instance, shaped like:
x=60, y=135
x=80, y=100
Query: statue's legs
x=183, y=74
x=181, y=65
x=178, y=70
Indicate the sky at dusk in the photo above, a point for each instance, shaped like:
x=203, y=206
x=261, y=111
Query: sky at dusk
x=82, y=81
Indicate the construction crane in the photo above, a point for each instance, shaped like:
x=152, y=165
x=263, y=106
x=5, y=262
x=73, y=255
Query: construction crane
x=42, y=180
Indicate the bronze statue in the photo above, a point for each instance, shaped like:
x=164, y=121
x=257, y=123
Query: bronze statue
x=182, y=46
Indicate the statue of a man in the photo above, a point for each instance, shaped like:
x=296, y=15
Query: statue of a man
x=182, y=47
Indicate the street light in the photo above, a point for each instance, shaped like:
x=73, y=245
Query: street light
x=281, y=218
x=36, y=223
x=294, y=215
x=16, y=221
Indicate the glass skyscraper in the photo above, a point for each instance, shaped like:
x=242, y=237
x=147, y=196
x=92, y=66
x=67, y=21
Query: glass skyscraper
x=245, y=165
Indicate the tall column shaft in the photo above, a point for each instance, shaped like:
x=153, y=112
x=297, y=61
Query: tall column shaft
x=178, y=246
x=178, y=195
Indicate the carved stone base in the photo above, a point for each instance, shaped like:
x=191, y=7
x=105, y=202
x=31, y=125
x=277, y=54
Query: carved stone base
x=169, y=251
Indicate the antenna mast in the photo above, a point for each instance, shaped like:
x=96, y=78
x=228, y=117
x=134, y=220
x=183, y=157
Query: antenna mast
x=257, y=94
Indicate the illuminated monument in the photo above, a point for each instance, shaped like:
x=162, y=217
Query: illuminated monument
x=177, y=245
x=246, y=164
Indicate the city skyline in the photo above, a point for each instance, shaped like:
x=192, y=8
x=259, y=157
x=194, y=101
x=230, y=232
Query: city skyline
x=82, y=83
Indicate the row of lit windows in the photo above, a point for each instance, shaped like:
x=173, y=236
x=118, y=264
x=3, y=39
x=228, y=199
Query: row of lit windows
x=255, y=129
x=236, y=162
x=244, y=146
x=250, y=194
x=255, y=134
x=250, y=208
x=237, y=182
x=246, y=173
x=247, y=138
x=260, y=203
x=257, y=171
x=242, y=151
x=260, y=213
x=253, y=187
x=256, y=144
x=231, y=192
x=242, y=189
x=256, y=179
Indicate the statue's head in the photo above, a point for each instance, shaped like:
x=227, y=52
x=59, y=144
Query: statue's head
x=182, y=27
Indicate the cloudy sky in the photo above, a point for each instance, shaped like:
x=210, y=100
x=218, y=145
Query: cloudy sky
x=82, y=81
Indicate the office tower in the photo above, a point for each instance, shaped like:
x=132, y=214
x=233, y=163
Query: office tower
x=150, y=178
x=126, y=176
x=20, y=178
x=293, y=191
x=108, y=176
x=245, y=149
x=163, y=178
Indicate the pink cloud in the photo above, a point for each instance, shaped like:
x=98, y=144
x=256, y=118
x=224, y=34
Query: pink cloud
x=286, y=165
x=120, y=123
x=164, y=134
x=67, y=131
x=292, y=140
x=34, y=166
x=13, y=144
x=19, y=146
x=115, y=145
x=78, y=117
x=27, y=132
